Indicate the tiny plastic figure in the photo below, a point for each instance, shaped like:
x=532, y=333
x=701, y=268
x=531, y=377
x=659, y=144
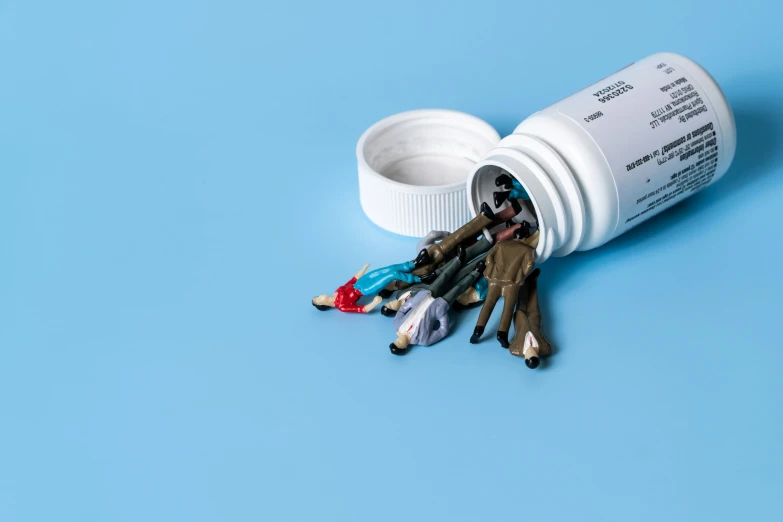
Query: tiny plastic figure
x=361, y=284
x=529, y=341
x=423, y=318
x=508, y=264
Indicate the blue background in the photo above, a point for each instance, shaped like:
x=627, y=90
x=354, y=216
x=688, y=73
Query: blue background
x=178, y=179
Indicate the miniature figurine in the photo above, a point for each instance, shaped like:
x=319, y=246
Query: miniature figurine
x=361, y=284
x=508, y=264
x=529, y=341
x=424, y=317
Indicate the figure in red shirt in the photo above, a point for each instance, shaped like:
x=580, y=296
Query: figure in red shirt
x=346, y=297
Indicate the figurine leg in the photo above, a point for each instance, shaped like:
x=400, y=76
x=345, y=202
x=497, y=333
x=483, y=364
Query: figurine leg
x=529, y=340
x=382, y=272
x=397, y=285
x=394, y=286
x=510, y=294
x=477, y=331
x=521, y=329
x=534, y=314
x=508, y=213
x=504, y=180
x=448, y=272
x=509, y=302
x=498, y=198
x=373, y=282
x=493, y=294
x=469, y=267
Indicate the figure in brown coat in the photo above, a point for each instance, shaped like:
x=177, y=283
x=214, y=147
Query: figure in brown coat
x=529, y=341
x=486, y=218
x=508, y=264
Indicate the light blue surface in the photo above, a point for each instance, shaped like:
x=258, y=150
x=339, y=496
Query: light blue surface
x=161, y=242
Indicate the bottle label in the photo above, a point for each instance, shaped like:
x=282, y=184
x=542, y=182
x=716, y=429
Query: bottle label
x=657, y=131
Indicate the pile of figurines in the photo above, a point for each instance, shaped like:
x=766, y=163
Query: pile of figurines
x=491, y=256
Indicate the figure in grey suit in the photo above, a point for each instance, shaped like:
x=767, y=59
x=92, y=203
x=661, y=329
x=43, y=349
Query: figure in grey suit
x=423, y=318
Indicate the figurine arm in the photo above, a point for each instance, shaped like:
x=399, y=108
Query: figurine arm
x=443, y=318
x=407, y=305
x=490, y=260
x=527, y=267
x=439, y=316
x=410, y=303
x=361, y=272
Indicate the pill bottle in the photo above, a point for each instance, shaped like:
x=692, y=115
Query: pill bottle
x=609, y=157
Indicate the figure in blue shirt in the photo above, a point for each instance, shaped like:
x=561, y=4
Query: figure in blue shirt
x=364, y=283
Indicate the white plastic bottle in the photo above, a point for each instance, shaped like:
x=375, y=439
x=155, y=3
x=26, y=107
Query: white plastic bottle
x=607, y=158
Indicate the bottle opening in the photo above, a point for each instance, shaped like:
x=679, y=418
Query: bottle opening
x=500, y=189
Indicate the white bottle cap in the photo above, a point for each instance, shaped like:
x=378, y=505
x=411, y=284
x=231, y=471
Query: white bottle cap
x=413, y=168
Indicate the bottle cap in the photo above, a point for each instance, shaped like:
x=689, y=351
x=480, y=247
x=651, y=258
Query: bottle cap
x=413, y=169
